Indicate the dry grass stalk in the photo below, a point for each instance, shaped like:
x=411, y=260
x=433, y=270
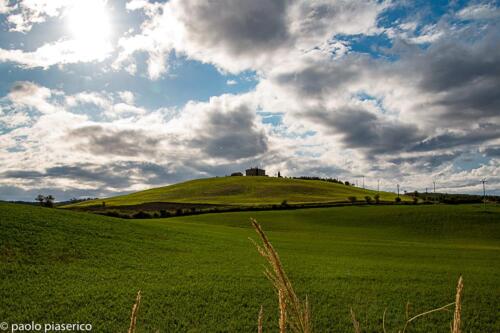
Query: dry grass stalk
x=260, y=320
x=135, y=310
x=357, y=327
x=296, y=312
x=443, y=308
x=282, y=306
x=458, y=307
x=383, y=321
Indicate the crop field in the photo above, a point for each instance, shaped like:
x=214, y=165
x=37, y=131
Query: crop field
x=202, y=273
x=244, y=191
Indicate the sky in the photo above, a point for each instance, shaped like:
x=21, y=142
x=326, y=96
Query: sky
x=99, y=98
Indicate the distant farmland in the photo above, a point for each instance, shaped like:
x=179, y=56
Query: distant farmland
x=202, y=274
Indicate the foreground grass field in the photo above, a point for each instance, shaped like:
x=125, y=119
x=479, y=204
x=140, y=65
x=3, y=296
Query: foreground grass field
x=202, y=274
x=243, y=191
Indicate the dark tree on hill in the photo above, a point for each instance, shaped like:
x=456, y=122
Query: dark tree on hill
x=377, y=198
x=398, y=199
x=368, y=199
x=40, y=198
x=49, y=201
x=352, y=199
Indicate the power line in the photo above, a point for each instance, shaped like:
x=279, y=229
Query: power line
x=484, y=192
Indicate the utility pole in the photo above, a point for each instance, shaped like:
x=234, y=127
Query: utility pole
x=434, y=182
x=378, y=185
x=363, y=182
x=398, y=190
x=484, y=192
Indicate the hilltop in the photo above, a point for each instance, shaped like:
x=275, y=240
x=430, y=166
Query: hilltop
x=241, y=191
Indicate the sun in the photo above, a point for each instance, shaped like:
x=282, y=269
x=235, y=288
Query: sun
x=89, y=22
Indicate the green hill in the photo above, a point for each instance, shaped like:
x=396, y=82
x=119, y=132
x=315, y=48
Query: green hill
x=202, y=274
x=243, y=191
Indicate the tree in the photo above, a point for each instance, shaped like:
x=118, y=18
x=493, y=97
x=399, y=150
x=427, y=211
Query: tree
x=377, y=198
x=49, y=201
x=352, y=199
x=40, y=198
x=415, y=200
x=368, y=199
x=398, y=199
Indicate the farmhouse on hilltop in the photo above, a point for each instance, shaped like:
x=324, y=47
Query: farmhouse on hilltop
x=255, y=172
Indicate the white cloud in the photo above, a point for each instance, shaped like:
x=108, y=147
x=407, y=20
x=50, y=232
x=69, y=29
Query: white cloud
x=485, y=11
x=127, y=96
x=26, y=13
x=4, y=7
x=58, y=53
x=32, y=96
x=97, y=99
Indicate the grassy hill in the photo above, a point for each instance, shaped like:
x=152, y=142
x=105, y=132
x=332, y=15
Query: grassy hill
x=202, y=274
x=243, y=191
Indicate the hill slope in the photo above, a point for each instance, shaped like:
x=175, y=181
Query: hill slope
x=243, y=191
x=202, y=274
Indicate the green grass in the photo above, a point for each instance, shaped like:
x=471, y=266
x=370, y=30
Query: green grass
x=243, y=191
x=202, y=274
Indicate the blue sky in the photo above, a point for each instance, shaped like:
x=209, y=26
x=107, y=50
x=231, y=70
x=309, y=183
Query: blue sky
x=104, y=97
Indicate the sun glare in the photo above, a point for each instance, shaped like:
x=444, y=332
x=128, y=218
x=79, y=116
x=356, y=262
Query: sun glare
x=89, y=22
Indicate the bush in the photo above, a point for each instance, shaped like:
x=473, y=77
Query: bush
x=284, y=203
x=397, y=200
x=164, y=213
x=377, y=198
x=415, y=200
x=141, y=215
x=368, y=199
x=112, y=214
x=352, y=199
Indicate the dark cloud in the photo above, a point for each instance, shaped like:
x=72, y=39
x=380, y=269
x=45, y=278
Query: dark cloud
x=492, y=152
x=240, y=27
x=106, y=141
x=81, y=172
x=366, y=131
x=101, y=180
x=16, y=193
x=426, y=162
x=318, y=79
x=231, y=135
x=474, y=136
x=463, y=76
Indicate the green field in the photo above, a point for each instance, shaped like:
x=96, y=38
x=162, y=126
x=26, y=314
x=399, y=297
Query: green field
x=243, y=191
x=202, y=274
